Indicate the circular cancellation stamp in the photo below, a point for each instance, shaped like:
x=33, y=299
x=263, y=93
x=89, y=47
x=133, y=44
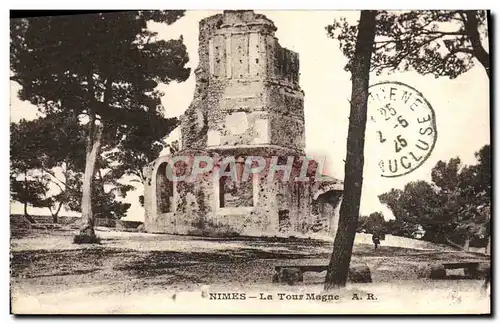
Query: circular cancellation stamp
x=405, y=127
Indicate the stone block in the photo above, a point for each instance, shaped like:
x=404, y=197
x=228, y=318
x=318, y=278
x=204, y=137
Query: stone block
x=423, y=271
x=291, y=275
x=437, y=271
x=360, y=274
x=237, y=123
x=484, y=268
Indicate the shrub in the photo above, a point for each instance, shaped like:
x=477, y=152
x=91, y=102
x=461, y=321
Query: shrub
x=86, y=239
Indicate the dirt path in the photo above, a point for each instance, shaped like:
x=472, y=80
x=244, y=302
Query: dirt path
x=49, y=272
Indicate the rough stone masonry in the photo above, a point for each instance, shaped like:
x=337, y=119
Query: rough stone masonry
x=247, y=102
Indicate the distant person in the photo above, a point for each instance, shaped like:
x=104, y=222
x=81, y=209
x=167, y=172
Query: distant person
x=376, y=240
x=487, y=283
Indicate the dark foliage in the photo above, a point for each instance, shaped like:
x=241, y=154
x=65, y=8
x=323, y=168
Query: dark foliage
x=438, y=42
x=454, y=208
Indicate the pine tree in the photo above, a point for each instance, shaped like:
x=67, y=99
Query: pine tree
x=103, y=67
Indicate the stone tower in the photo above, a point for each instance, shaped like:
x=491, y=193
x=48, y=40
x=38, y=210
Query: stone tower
x=247, y=102
x=248, y=92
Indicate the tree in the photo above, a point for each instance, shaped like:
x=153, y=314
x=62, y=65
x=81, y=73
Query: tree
x=105, y=190
x=465, y=191
x=419, y=203
x=454, y=208
x=42, y=148
x=22, y=189
x=104, y=66
x=373, y=223
x=475, y=188
x=397, y=227
x=53, y=147
x=438, y=42
x=140, y=143
x=28, y=192
x=349, y=210
x=362, y=221
x=483, y=189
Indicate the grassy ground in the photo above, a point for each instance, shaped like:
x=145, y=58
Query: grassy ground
x=138, y=272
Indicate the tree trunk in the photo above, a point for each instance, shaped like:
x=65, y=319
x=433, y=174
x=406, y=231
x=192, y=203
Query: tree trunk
x=466, y=244
x=55, y=218
x=26, y=215
x=487, y=250
x=87, y=232
x=349, y=210
x=471, y=28
x=93, y=148
x=25, y=182
x=453, y=244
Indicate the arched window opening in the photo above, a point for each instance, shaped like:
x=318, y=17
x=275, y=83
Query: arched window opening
x=237, y=193
x=164, y=190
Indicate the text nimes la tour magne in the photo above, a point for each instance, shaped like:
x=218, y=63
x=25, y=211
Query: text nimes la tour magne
x=286, y=296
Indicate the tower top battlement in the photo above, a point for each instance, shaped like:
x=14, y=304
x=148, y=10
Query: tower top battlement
x=245, y=19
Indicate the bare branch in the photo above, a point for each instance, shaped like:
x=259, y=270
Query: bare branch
x=443, y=33
x=463, y=50
x=53, y=176
x=463, y=16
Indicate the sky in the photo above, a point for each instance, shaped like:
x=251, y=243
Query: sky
x=461, y=105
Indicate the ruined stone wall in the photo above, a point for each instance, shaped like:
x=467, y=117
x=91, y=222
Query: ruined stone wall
x=152, y=218
x=247, y=102
x=324, y=212
x=194, y=121
x=279, y=207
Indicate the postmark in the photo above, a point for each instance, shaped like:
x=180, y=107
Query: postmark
x=404, y=123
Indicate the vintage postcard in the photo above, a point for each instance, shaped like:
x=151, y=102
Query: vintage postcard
x=250, y=162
